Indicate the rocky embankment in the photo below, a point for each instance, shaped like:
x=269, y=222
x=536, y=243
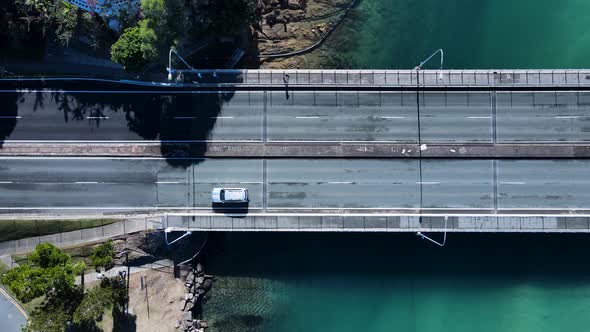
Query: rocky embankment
x=197, y=285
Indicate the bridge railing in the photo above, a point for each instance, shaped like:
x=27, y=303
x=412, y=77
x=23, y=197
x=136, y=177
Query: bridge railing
x=376, y=223
x=532, y=77
x=422, y=77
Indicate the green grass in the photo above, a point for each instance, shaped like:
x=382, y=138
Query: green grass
x=20, y=229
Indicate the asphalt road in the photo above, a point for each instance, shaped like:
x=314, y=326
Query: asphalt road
x=12, y=319
x=137, y=184
x=296, y=116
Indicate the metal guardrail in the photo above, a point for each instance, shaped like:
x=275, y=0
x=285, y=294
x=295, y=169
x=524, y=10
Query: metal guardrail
x=503, y=77
x=372, y=223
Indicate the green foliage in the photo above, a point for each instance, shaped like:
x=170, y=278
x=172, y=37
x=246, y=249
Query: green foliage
x=66, y=18
x=111, y=294
x=46, y=255
x=94, y=304
x=102, y=255
x=25, y=282
x=135, y=48
x=56, y=311
x=54, y=272
x=149, y=41
x=48, y=319
x=154, y=9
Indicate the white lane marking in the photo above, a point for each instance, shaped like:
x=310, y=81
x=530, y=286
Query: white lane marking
x=184, y=117
x=479, y=117
x=5, y=182
x=250, y=182
x=427, y=182
x=167, y=182
x=567, y=117
x=222, y=117
x=341, y=182
x=97, y=117
x=393, y=117
x=86, y=182
x=11, y=117
x=307, y=117
x=512, y=182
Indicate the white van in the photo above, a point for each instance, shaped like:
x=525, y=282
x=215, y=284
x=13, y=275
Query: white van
x=229, y=195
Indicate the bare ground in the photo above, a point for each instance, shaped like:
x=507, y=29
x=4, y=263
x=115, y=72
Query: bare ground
x=294, y=28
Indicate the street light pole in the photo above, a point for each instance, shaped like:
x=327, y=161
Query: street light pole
x=417, y=68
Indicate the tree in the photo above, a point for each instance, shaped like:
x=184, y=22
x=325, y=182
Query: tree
x=66, y=18
x=46, y=255
x=154, y=9
x=54, y=271
x=93, y=306
x=135, y=48
x=102, y=255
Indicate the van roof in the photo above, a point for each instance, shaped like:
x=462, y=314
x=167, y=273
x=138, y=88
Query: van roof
x=234, y=194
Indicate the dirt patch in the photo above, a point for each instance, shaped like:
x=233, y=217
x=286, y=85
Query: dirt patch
x=156, y=306
x=293, y=25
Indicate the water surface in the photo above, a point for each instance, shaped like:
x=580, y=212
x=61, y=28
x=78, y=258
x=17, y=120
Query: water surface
x=474, y=34
x=396, y=282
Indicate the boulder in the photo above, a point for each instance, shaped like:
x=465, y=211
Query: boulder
x=189, y=306
x=207, y=284
x=190, y=278
x=199, y=268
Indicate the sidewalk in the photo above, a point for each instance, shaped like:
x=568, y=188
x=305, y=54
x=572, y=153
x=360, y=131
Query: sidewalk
x=157, y=265
x=72, y=238
x=66, y=61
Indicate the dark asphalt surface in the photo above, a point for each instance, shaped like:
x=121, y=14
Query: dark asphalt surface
x=135, y=184
x=11, y=318
x=562, y=116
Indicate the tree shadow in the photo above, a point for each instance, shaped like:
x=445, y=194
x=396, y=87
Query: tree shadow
x=181, y=121
x=8, y=114
x=124, y=322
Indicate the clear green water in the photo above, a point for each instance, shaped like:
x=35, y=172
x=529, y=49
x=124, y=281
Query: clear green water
x=396, y=282
x=473, y=33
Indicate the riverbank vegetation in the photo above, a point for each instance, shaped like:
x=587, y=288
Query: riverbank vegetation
x=45, y=283
x=207, y=32
x=26, y=26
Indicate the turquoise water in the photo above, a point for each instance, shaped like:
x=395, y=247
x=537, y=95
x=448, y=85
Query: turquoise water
x=473, y=33
x=396, y=282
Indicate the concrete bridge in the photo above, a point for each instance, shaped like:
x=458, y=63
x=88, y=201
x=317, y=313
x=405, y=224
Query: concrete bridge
x=494, y=150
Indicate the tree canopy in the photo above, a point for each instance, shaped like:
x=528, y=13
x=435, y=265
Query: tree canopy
x=136, y=47
x=102, y=255
x=52, y=269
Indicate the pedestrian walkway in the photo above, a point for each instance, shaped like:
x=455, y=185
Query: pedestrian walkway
x=73, y=238
x=115, y=271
